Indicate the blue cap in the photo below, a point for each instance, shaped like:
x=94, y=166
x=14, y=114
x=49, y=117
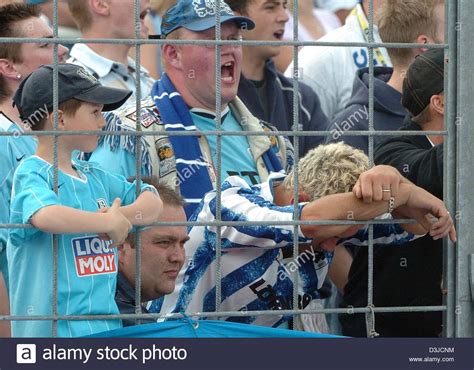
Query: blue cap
x=199, y=15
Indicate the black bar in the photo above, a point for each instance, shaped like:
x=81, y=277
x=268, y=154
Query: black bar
x=242, y=354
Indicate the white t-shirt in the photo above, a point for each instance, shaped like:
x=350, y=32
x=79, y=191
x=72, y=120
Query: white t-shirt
x=328, y=20
x=330, y=70
x=335, y=5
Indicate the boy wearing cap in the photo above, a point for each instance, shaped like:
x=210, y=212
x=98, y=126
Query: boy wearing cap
x=185, y=100
x=86, y=261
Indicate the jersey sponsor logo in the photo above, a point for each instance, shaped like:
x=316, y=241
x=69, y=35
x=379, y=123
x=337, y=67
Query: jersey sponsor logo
x=102, y=203
x=59, y=186
x=268, y=295
x=273, y=300
x=93, y=256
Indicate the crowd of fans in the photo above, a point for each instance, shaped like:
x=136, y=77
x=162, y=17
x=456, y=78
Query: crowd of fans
x=101, y=215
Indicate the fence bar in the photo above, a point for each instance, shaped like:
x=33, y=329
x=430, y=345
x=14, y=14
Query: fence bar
x=228, y=133
x=138, y=156
x=449, y=163
x=218, y=121
x=355, y=310
x=54, y=298
x=464, y=323
x=295, y=128
x=17, y=40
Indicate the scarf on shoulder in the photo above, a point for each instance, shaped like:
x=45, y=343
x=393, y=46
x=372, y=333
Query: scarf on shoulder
x=191, y=167
x=190, y=162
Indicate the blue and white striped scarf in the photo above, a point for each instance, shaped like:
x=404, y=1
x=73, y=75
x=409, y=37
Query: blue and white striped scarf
x=191, y=168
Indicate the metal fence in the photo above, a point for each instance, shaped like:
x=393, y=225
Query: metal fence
x=458, y=177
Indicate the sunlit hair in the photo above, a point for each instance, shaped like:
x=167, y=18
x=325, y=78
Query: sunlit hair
x=81, y=13
x=328, y=169
x=402, y=21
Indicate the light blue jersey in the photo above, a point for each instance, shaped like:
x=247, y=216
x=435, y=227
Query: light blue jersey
x=87, y=267
x=118, y=161
x=255, y=275
x=13, y=149
x=236, y=156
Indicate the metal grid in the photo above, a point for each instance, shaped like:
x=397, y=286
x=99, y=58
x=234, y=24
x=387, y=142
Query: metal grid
x=456, y=161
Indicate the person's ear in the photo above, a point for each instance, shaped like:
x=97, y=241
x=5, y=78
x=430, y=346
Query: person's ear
x=423, y=39
x=303, y=197
x=124, y=252
x=8, y=70
x=172, y=55
x=100, y=7
x=61, y=120
x=437, y=102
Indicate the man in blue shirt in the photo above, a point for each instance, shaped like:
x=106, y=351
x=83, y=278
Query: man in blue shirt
x=184, y=100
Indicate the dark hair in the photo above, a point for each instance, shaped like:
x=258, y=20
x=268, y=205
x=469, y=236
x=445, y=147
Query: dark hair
x=9, y=15
x=68, y=107
x=167, y=195
x=238, y=5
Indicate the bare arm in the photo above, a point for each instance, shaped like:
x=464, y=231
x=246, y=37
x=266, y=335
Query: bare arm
x=67, y=220
x=339, y=207
x=370, y=187
x=347, y=207
x=145, y=210
x=340, y=266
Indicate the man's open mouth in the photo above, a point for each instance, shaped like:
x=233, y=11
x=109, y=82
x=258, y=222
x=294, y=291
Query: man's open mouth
x=228, y=72
x=279, y=34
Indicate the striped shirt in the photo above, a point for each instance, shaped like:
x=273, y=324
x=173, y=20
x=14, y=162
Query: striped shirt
x=255, y=276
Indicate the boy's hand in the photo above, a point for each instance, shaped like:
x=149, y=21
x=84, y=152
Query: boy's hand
x=119, y=224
